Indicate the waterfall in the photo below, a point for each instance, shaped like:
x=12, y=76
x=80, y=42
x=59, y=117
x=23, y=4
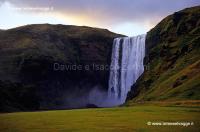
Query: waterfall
x=126, y=66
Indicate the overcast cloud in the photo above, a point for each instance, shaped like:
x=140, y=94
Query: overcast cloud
x=112, y=14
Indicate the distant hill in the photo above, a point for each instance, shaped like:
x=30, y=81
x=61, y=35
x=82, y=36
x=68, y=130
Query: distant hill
x=173, y=60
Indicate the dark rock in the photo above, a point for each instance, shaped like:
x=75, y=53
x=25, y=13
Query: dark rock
x=91, y=106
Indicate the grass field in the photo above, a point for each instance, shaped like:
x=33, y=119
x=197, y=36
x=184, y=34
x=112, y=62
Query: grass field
x=120, y=119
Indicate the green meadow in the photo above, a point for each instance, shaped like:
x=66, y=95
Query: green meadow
x=119, y=119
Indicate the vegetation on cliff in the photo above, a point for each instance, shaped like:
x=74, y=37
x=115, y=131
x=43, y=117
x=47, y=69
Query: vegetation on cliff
x=27, y=58
x=173, y=60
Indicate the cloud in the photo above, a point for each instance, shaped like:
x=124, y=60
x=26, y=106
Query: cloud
x=111, y=13
x=114, y=10
x=11, y=16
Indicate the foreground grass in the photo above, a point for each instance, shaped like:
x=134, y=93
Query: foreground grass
x=103, y=119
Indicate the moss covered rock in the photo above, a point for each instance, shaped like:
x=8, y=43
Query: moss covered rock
x=172, y=70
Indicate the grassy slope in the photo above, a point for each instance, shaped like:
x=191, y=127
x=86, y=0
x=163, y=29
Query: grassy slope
x=174, y=59
x=105, y=119
x=60, y=43
x=27, y=58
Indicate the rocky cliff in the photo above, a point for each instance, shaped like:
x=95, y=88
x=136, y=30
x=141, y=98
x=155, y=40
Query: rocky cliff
x=52, y=66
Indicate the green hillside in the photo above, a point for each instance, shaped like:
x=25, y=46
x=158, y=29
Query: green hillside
x=28, y=79
x=173, y=60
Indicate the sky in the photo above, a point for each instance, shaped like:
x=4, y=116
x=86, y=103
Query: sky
x=128, y=17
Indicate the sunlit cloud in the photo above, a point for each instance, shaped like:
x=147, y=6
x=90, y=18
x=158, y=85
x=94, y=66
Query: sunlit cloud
x=128, y=17
x=11, y=16
x=131, y=29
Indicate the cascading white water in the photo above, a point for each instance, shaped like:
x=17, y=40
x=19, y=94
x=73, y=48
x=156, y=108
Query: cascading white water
x=126, y=66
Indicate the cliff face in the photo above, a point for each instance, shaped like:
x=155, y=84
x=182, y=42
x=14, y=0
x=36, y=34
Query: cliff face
x=172, y=70
x=32, y=59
